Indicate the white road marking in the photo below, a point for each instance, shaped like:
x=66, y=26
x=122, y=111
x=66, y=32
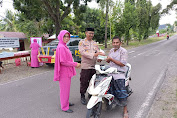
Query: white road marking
x=24, y=78
x=158, y=54
x=149, y=97
x=131, y=51
x=132, y=57
x=140, y=54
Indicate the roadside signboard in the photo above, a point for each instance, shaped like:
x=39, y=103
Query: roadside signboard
x=9, y=42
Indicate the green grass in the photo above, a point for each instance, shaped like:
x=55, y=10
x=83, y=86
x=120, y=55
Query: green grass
x=175, y=115
x=136, y=43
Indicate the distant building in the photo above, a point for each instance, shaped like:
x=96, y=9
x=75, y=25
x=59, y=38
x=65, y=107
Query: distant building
x=24, y=44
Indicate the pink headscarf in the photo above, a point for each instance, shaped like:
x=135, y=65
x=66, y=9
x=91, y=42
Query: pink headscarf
x=35, y=45
x=60, y=37
x=35, y=40
x=61, y=57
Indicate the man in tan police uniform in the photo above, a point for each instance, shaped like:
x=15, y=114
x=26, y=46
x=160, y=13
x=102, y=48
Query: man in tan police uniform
x=89, y=51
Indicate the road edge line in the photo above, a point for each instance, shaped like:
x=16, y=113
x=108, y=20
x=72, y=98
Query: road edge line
x=8, y=82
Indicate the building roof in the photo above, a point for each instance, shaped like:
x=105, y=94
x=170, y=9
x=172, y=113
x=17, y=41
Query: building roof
x=52, y=37
x=19, y=35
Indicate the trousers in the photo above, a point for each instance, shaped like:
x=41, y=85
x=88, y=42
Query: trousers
x=85, y=77
x=64, y=84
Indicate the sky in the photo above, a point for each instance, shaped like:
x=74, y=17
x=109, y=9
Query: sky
x=170, y=18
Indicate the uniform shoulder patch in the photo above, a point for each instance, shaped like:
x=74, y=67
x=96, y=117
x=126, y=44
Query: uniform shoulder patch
x=80, y=43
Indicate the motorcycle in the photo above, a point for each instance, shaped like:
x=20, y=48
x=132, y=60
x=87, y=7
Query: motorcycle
x=167, y=37
x=99, y=86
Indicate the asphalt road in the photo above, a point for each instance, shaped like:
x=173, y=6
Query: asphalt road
x=38, y=96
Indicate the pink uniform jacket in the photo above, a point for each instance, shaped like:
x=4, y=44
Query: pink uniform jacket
x=34, y=52
x=64, y=65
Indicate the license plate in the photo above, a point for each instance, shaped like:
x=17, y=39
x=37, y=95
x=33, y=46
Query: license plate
x=44, y=59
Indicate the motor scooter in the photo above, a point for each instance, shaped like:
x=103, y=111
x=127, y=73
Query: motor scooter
x=99, y=86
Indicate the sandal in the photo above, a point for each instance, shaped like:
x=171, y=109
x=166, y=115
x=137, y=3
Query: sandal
x=126, y=115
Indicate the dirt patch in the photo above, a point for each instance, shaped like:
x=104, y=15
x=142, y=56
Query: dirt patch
x=12, y=72
x=165, y=103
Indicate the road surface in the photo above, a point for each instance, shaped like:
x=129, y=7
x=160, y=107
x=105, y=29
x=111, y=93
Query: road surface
x=38, y=96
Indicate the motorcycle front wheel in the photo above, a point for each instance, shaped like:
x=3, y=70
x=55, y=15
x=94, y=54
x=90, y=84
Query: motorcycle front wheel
x=94, y=112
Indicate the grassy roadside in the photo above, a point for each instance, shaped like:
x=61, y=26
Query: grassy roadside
x=135, y=43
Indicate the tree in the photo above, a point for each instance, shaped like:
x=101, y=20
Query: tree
x=94, y=18
x=148, y=18
x=142, y=19
x=56, y=10
x=8, y=23
x=169, y=7
x=129, y=19
x=107, y=4
x=116, y=19
x=175, y=23
x=155, y=16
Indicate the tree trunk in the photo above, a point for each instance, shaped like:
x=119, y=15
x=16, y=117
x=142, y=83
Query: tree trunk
x=127, y=41
x=110, y=30
x=107, y=9
x=57, y=28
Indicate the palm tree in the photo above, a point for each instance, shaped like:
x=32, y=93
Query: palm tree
x=8, y=22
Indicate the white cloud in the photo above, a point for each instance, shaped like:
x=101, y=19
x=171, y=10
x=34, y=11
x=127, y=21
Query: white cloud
x=6, y=5
x=168, y=18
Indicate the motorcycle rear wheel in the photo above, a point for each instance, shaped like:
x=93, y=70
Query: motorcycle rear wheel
x=94, y=112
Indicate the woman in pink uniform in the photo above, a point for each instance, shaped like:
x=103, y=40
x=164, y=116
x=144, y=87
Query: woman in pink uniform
x=34, y=52
x=64, y=69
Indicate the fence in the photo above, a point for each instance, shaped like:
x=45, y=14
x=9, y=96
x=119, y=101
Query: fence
x=10, y=61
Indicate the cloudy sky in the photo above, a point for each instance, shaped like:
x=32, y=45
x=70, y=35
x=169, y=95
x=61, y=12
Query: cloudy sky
x=7, y=4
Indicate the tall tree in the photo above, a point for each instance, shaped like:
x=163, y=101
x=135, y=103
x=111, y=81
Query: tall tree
x=142, y=19
x=155, y=16
x=94, y=18
x=106, y=4
x=116, y=19
x=56, y=10
x=129, y=19
x=148, y=19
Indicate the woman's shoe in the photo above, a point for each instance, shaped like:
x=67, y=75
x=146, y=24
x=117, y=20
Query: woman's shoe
x=69, y=111
x=71, y=104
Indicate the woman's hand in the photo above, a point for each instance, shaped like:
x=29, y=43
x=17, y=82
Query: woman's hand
x=78, y=65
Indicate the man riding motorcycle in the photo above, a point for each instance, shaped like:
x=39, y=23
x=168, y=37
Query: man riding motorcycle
x=167, y=36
